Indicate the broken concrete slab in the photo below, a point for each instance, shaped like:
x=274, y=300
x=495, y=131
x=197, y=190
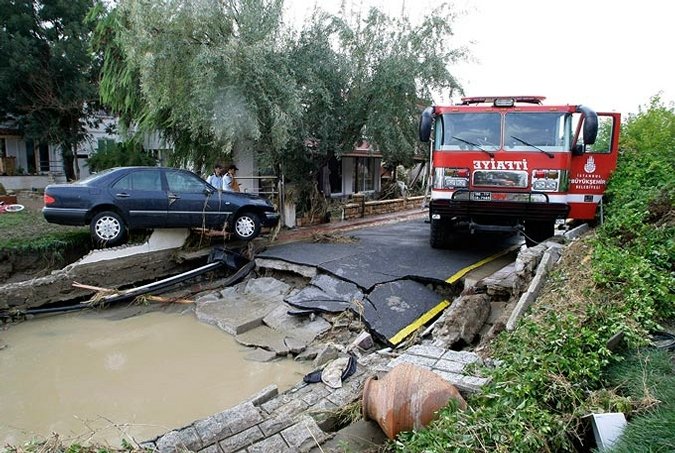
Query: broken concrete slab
x=303, y=328
x=463, y=321
x=279, y=265
x=160, y=239
x=266, y=338
x=261, y=355
x=242, y=307
x=394, y=310
x=326, y=293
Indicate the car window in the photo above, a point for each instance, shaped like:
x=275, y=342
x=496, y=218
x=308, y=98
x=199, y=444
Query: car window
x=140, y=180
x=182, y=182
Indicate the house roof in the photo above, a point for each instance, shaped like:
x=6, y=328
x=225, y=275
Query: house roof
x=363, y=149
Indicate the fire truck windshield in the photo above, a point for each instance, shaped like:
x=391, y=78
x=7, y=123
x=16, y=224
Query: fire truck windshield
x=522, y=131
x=543, y=131
x=466, y=131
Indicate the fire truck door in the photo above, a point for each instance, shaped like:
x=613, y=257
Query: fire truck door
x=590, y=171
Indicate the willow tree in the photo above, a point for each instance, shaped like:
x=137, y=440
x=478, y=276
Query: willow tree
x=216, y=76
x=207, y=74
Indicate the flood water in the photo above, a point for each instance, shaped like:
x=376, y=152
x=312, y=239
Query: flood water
x=100, y=377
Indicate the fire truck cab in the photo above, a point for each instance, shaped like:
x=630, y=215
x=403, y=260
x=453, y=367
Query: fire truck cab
x=511, y=163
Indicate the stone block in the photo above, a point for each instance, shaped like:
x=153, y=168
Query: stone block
x=424, y=362
x=344, y=396
x=179, y=441
x=261, y=355
x=462, y=357
x=214, y=448
x=212, y=429
x=292, y=408
x=303, y=435
x=276, y=424
x=241, y=417
x=426, y=351
x=241, y=440
x=264, y=395
x=272, y=444
x=450, y=366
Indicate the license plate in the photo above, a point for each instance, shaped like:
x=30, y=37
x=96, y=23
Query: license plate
x=482, y=196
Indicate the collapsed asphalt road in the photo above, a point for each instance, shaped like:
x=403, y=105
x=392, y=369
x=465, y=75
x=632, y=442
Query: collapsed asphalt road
x=382, y=274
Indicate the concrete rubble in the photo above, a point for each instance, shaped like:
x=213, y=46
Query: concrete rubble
x=274, y=320
x=305, y=417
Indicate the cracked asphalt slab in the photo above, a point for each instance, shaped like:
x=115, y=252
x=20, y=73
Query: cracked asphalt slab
x=391, y=252
x=389, y=264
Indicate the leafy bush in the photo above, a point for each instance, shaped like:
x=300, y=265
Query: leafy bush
x=119, y=155
x=635, y=250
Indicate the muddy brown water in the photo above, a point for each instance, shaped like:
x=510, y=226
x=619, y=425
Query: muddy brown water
x=105, y=376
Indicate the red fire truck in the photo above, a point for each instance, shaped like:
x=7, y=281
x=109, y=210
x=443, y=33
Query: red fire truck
x=511, y=163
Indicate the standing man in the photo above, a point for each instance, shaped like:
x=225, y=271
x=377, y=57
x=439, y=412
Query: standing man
x=229, y=181
x=216, y=178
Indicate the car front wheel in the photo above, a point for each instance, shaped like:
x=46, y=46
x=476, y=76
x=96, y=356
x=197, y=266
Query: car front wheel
x=108, y=229
x=246, y=226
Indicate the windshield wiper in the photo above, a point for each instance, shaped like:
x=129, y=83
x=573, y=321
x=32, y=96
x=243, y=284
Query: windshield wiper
x=551, y=155
x=474, y=144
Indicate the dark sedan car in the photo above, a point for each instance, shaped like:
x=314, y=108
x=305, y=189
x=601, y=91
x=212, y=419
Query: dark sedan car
x=120, y=199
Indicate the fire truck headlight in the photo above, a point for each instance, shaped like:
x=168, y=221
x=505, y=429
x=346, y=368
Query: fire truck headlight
x=449, y=183
x=539, y=185
x=551, y=185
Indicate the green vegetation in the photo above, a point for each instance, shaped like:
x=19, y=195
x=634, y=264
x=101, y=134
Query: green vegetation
x=127, y=154
x=49, y=78
x=28, y=232
x=647, y=376
x=617, y=280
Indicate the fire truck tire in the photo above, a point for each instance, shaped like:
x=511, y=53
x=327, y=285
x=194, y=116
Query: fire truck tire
x=440, y=235
x=537, y=231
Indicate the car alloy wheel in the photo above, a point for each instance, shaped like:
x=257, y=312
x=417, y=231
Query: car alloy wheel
x=108, y=228
x=246, y=226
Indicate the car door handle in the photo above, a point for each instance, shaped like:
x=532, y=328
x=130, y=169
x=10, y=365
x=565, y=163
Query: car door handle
x=122, y=195
x=174, y=197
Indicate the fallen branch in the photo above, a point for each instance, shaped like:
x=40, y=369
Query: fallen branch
x=94, y=288
x=169, y=300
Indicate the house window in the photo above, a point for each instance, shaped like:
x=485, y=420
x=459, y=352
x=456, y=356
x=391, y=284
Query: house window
x=364, y=174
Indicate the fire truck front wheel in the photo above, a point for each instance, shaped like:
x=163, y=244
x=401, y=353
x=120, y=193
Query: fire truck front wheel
x=440, y=236
x=537, y=231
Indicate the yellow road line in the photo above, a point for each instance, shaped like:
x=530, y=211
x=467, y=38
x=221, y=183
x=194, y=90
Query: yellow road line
x=462, y=272
x=419, y=322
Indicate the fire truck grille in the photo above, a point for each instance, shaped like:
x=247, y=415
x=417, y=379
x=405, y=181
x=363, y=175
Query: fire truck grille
x=512, y=210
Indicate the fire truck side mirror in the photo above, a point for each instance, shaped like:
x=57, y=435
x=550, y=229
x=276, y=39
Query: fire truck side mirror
x=590, y=124
x=425, y=124
x=578, y=149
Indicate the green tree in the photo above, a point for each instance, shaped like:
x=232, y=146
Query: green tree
x=208, y=75
x=48, y=78
x=396, y=65
x=215, y=77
